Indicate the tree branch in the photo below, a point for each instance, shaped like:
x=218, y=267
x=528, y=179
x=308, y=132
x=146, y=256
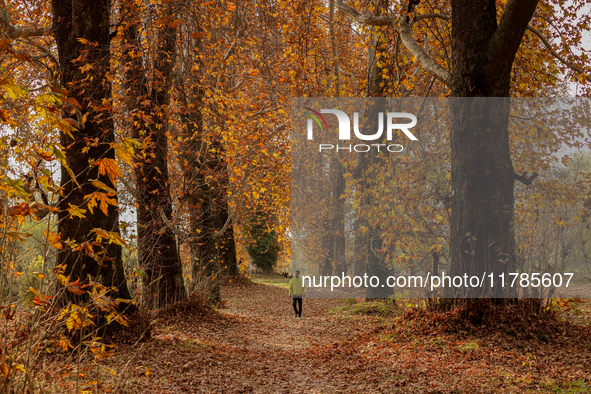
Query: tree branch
x=446, y=200
x=556, y=54
x=423, y=59
x=430, y=16
x=368, y=18
x=335, y=53
x=12, y=31
x=404, y=30
x=524, y=179
x=223, y=229
x=507, y=38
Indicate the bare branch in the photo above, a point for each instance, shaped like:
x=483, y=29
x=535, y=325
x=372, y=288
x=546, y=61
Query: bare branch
x=42, y=55
x=225, y=227
x=368, y=18
x=424, y=60
x=556, y=54
x=524, y=179
x=404, y=30
x=230, y=50
x=430, y=16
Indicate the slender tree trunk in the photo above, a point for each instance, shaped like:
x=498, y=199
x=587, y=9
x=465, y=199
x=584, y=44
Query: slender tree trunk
x=339, y=217
x=371, y=242
x=82, y=31
x=211, y=238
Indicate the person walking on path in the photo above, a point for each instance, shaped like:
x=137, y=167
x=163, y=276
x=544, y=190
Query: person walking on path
x=296, y=293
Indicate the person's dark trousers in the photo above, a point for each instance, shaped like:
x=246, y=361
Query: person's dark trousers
x=297, y=301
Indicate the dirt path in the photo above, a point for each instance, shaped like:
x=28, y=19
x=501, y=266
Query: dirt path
x=254, y=345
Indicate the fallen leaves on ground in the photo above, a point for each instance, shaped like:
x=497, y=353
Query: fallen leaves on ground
x=254, y=344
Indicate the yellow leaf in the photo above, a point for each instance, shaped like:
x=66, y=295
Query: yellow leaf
x=20, y=367
x=76, y=211
x=103, y=199
x=34, y=291
x=39, y=275
x=14, y=91
x=64, y=343
x=110, y=168
x=125, y=149
x=112, y=236
x=576, y=218
x=53, y=239
x=61, y=157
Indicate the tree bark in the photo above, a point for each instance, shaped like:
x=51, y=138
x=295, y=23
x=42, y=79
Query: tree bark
x=371, y=243
x=211, y=238
x=482, y=239
x=149, y=99
x=214, y=252
x=82, y=32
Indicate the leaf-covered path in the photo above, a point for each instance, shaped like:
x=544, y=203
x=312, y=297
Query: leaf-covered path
x=254, y=344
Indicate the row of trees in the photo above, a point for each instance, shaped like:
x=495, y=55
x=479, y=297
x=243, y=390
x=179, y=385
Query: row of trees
x=179, y=112
x=151, y=103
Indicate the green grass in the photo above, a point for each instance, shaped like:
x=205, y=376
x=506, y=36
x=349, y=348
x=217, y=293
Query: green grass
x=374, y=308
x=472, y=345
x=272, y=280
x=575, y=387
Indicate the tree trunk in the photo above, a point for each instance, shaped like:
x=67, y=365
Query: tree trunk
x=208, y=217
x=157, y=248
x=371, y=242
x=82, y=31
x=338, y=213
x=482, y=239
x=211, y=238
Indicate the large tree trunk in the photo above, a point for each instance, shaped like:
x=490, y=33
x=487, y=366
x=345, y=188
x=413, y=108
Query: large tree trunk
x=149, y=102
x=482, y=239
x=82, y=31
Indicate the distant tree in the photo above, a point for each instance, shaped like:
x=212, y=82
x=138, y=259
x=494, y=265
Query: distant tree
x=264, y=247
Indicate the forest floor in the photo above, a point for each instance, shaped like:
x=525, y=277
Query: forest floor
x=254, y=344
